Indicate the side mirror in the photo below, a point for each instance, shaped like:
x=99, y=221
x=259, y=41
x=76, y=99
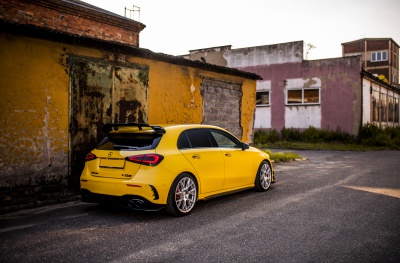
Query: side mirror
x=245, y=146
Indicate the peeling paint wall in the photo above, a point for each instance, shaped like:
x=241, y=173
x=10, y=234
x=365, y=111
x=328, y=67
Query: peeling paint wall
x=33, y=116
x=39, y=81
x=102, y=92
x=345, y=99
x=338, y=79
x=302, y=116
x=340, y=94
x=265, y=55
x=182, y=86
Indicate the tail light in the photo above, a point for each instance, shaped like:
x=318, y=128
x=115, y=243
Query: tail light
x=90, y=156
x=146, y=159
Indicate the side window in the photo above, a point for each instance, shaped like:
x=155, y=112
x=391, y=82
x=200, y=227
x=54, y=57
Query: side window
x=196, y=138
x=225, y=140
x=183, y=142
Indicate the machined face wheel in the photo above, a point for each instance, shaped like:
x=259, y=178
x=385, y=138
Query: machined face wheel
x=182, y=196
x=185, y=194
x=264, y=177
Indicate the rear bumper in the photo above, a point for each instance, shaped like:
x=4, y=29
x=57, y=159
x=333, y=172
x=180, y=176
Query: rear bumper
x=149, y=183
x=134, y=202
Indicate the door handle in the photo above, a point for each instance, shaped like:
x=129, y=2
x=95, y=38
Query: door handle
x=228, y=155
x=196, y=156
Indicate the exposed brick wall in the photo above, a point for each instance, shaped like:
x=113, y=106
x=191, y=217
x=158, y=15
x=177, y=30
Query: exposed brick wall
x=72, y=17
x=353, y=47
x=376, y=45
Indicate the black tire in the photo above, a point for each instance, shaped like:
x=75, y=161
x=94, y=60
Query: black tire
x=182, y=196
x=264, y=177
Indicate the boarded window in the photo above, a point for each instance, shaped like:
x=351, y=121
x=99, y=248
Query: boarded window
x=303, y=96
x=311, y=96
x=262, y=98
x=294, y=97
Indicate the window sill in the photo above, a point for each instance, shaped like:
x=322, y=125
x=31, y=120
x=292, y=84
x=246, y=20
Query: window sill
x=303, y=104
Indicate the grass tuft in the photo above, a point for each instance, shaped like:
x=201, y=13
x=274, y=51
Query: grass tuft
x=282, y=156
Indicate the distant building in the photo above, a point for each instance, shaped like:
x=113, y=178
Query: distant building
x=380, y=56
x=331, y=94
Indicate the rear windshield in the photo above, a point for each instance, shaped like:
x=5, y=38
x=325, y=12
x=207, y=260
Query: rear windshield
x=130, y=141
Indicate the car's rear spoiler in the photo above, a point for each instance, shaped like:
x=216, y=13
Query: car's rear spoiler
x=114, y=127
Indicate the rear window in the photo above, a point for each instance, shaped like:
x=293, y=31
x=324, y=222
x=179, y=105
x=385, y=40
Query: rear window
x=130, y=141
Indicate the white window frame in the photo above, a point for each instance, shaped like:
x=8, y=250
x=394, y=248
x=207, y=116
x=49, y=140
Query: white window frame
x=379, y=56
x=269, y=98
x=302, y=97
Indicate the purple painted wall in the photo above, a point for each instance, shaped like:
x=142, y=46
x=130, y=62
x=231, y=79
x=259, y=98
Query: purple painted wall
x=277, y=74
x=340, y=90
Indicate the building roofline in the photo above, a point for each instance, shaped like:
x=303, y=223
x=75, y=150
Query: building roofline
x=96, y=9
x=270, y=45
x=72, y=7
x=211, y=48
x=371, y=76
x=73, y=39
x=364, y=39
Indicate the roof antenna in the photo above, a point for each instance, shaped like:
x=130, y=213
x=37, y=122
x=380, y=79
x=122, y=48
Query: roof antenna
x=132, y=11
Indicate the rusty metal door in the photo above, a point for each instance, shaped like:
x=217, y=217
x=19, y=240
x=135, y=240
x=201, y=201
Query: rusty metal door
x=101, y=93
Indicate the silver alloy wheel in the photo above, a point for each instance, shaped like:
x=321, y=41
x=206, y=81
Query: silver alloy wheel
x=265, y=176
x=185, y=194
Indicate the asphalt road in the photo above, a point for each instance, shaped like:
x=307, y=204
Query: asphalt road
x=333, y=207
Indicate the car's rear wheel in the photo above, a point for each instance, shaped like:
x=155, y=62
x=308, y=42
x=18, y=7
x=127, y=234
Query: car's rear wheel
x=263, y=177
x=182, y=196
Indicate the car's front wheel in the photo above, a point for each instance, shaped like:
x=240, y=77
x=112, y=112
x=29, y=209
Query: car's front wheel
x=263, y=177
x=182, y=196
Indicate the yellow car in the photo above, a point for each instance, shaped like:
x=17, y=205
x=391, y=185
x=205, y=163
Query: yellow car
x=149, y=167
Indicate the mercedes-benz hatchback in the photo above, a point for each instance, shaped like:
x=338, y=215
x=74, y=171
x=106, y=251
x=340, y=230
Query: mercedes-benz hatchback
x=149, y=167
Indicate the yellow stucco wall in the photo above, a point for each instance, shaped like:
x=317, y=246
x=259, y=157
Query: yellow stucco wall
x=34, y=104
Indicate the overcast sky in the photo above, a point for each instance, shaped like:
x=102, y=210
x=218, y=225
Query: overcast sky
x=176, y=26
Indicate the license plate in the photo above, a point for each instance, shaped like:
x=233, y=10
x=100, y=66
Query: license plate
x=112, y=163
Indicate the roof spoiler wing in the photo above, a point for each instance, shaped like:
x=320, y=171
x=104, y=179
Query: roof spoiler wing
x=107, y=128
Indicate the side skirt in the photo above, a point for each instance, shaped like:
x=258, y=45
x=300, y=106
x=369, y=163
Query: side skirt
x=212, y=196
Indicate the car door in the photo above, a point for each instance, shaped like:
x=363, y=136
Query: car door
x=208, y=161
x=238, y=162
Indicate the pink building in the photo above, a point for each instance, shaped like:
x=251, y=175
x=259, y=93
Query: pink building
x=328, y=94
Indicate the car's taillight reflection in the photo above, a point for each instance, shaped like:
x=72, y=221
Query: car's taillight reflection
x=146, y=159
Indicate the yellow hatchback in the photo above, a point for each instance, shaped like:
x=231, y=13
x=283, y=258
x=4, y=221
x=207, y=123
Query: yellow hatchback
x=148, y=167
